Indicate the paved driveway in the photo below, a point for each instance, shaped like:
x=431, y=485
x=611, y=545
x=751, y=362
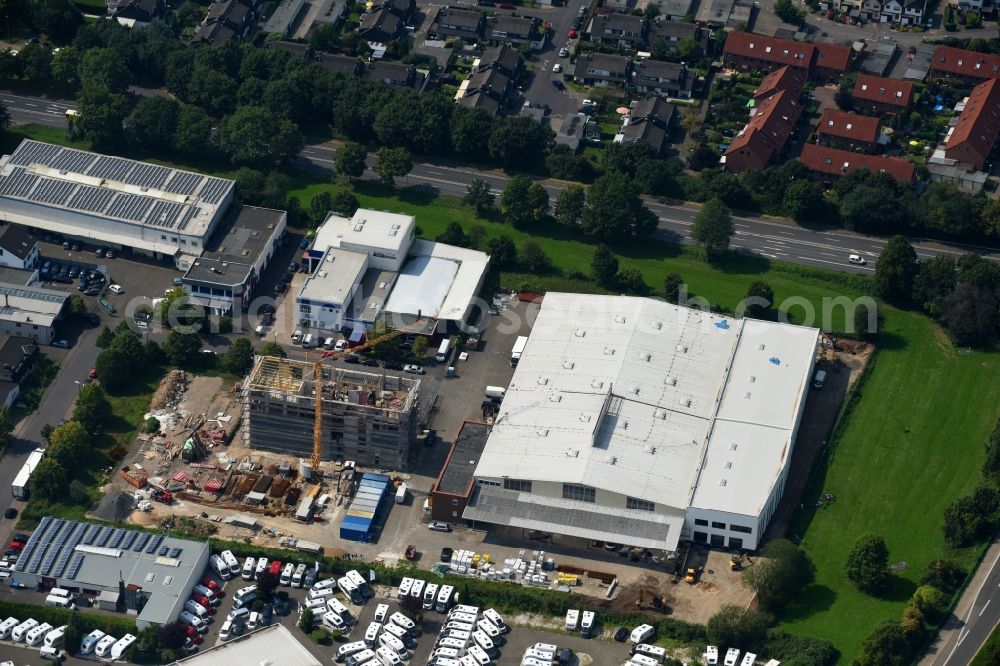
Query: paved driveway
x=541, y=90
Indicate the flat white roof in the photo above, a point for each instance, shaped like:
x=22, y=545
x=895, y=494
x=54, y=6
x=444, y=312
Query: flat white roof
x=472, y=264
x=335, y=278
x=621, y=393
x=422, y=286
x=273, y=645
x=392, y=232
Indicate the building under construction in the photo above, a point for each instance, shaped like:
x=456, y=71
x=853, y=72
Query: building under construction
x=369, y=418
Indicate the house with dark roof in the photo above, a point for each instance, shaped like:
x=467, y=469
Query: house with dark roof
x=18, y=248
x=342, y=64
x=761, y=142
x=973, y=136
x=486, y=89
x=828, y=163
x=603, y=70
x=882, y=96
x=746, y=51
x=649, y=122
x=671, y=32
x=17, y=357
x=783, y=78
x=614, y=29
x=226, y=20
x=502, y=58
x=849, y=131
x=514, y=30
x=969, y=66
x=385, y=21
x=465, y=24
x=832, y=61
x=669, y=79
x=395, y=74
x=136, y=13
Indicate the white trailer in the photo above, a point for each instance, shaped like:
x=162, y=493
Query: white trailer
x=19, y=489
x=515, y=353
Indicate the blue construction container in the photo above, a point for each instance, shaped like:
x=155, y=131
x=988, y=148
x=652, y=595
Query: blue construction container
x=363, y=513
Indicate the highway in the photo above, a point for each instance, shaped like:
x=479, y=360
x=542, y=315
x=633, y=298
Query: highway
x=774, y=238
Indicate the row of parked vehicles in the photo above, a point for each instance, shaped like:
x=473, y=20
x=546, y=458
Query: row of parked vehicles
x=43, y=635
x=466, y=639
x=388, y=641
x=732, y=657
x=105, y=646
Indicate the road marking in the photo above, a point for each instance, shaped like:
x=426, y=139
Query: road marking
x=30, y=104
x=968, y=616
x=983, y=610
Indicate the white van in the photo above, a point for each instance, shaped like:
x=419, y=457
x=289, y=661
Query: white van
x=245, y=600
x=333, y=604
x=572, y=619
x=417, y=591
x=249, y=566
x=350, y=590
x=119, y=649
x=49, y=653
x=300, y=571
x=345, y=651
x=60, y=592
x=212, y=597
x=237, y=615
x=819, y=379
x=321, y=594
x=261, y=567
x=451, y=626
x=532, y=655
x=35, y=636
x=18, y=633
x=193, y=620
x=531, y=661
x=362, y=657
x=325, y=584
x=286, y=574
x=430, y=596
x=89, y=641
x=488, y=628
x=400, y=633
x=387, y=657
x=444, y=598
x=443, y=349
x=220, y=567
x=7, y=626
x=651, y=651
x=454, y=644
x=104, y=646
x=59, y=602
x=254, y=621
x=458, y=635
x=360, y=583
x=643, y=660
x=401, y=620
x=404, y=588
x=479, y=655
x=495, y=618
x=472, y=610
x=231, y=562
x=587, y=624
x=193, y=607
x=334, y=621
x=371, y=633
x=641, y=634
x=444, y=653
x=226, y=632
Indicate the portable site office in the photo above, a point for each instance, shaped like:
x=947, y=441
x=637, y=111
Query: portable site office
x=363, y=512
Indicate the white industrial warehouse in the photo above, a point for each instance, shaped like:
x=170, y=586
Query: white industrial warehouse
x=151, y=209
x=639, y=422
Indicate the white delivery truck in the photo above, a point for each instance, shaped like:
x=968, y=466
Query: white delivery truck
x=443, y=349
x=401, y=494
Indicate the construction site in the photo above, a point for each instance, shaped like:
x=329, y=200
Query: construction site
x=368, y=418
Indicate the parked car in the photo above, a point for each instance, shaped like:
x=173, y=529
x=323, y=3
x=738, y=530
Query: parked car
x=370, y=362
x=117, y=288
x=558, y=85
x=413, y=369
x=556, y=68
x=392, y=365
x=563, y=52
x=92, y=374
x=571, y=33
x=99, y=252
x=446, y=554
x=439, y=526
x=62, y=344
x=352, y=359
x=108, y=254
x=293, y=267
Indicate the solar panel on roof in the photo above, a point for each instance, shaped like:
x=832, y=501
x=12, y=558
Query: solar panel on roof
x=174, y=552
x=53, y=191
x=67, y=550
x=183, y=182
x=116, y=538
x=164, y=550
x=92, y=199
x=130, y=538
x=43, y=525
x=18, y=183
x=104, y=535
x=74, y=566
x=142, y=539
x=91, y=534
x=154, y=543
x=214, y=190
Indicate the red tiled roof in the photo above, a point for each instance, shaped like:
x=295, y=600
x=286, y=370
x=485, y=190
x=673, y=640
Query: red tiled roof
x=833, y=56
x=842, y=162
x=783, y=78
x=965, y=63
x=848, y=126
x=883, y=90
x=768, y=130
x=770, y=49
x=979, y=123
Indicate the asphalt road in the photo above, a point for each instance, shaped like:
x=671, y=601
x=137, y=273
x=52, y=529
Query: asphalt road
x=541, y=91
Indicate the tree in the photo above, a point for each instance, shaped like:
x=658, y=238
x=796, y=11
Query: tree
x=732, y=625
x=319, y=208
x=69, y=443
x=760, y=298
x=470, y=132
x=502, y=251
x=524, y=202
x=92, y=408
x=713, y=227
x=946, y=210
x=519, y=141
x=73, y=634
x=672, y=285
x=194, y=128
x=272, y=348
x=172, y=636
x=306, y=621
x=152, y=353
x=153, y=123
x=932, y=602
x=182, y=349
x=886, y=646
x=868, y=563
x=895, y=271
x=4, y=116
x=479, y=196
x=350, y=160
x=104, y=338
x=630, y=281
x=344, y=203
x=114, y=370
x=870, y=203
x=934, y=282
x=604, y=266
x=804, y=201
x=779, y=575
x=971, y=315
x=75, y=306
x=392, y=163
x=788, y=12
x=419, y=347
x=253, y=135
x=36, y=60
x=533, y=259
x=58, y=19
x=570, y=204
x=100, y=115
x=49, y=479
x=565, y=164
x=104, y=67
x=972, y=518
x=6, y=425
x=238, y=359
x=614, y=210
x=454, y=235
x=944, y=574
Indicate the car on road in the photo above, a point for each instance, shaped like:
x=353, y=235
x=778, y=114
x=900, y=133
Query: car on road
x=280, y=288
x=99, y=252
x=117, y=288
x=557, y=68
x=286, y=277
x=413, y=369
x=392, y=365
x=92, y=374
x=857, y=259
x=352, y=359
x=341, y=345
x=293, y=267
x=109, y=254
x=370, y=362
x=439, y=526
x=563, y=52
x=62, y=344
x=571, y=33
x=558, y=85
x=304, y=244
x=76, y=247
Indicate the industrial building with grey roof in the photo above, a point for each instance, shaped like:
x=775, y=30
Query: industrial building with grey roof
x=150, y=575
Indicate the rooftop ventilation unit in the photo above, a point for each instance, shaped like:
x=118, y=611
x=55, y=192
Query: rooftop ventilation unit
x=732, y=447
x=580, y=333
x=568, y=365
x=722, y=483
x=620, y=319
x=572, y=453
x=555, y=397
x=609, y=351
x=670, y=381
x=649, y=448
x=542, y=432
x=542, y=381
x=682, y=349
x=685, y=402
x=597, y=384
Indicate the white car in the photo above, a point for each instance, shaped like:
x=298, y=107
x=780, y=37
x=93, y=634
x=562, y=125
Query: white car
x=117, y=288
x=563, y=52
x=857, y=259
x=557, y=68
x=413, y=369
x=340, y=346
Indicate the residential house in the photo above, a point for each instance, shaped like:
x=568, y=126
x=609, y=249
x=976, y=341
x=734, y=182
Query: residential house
x=226, y=20
x=675, y=10
x=881, y=96
x=969, y=66
x=346, y=65
x=648, y=122
x=830, y=163
x=515, y=31
x=848, y=130
x=668, y=79
x=385, y=21
x=672, y=32
x=903, y=12
x=783, y=78
x=746, y=51
x=603, y=70
x=395, y=74
x=503, y=58
x=913, y=12
x=972, y=138
x=985, y=6
x=572, y=131
x=624, y=30
x=832, y=61
x=465, y=24
x=760, y=143
x=136, y=13
x=486, y=89
x=17, y=357
x=18, y=248
x=715, y=13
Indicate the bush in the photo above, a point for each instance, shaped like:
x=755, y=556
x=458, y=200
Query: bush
x=152, y=425
x=944, y=574
x=868, y=563
x=932, y=602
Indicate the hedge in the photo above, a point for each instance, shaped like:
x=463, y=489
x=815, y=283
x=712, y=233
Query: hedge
x=116, y=626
